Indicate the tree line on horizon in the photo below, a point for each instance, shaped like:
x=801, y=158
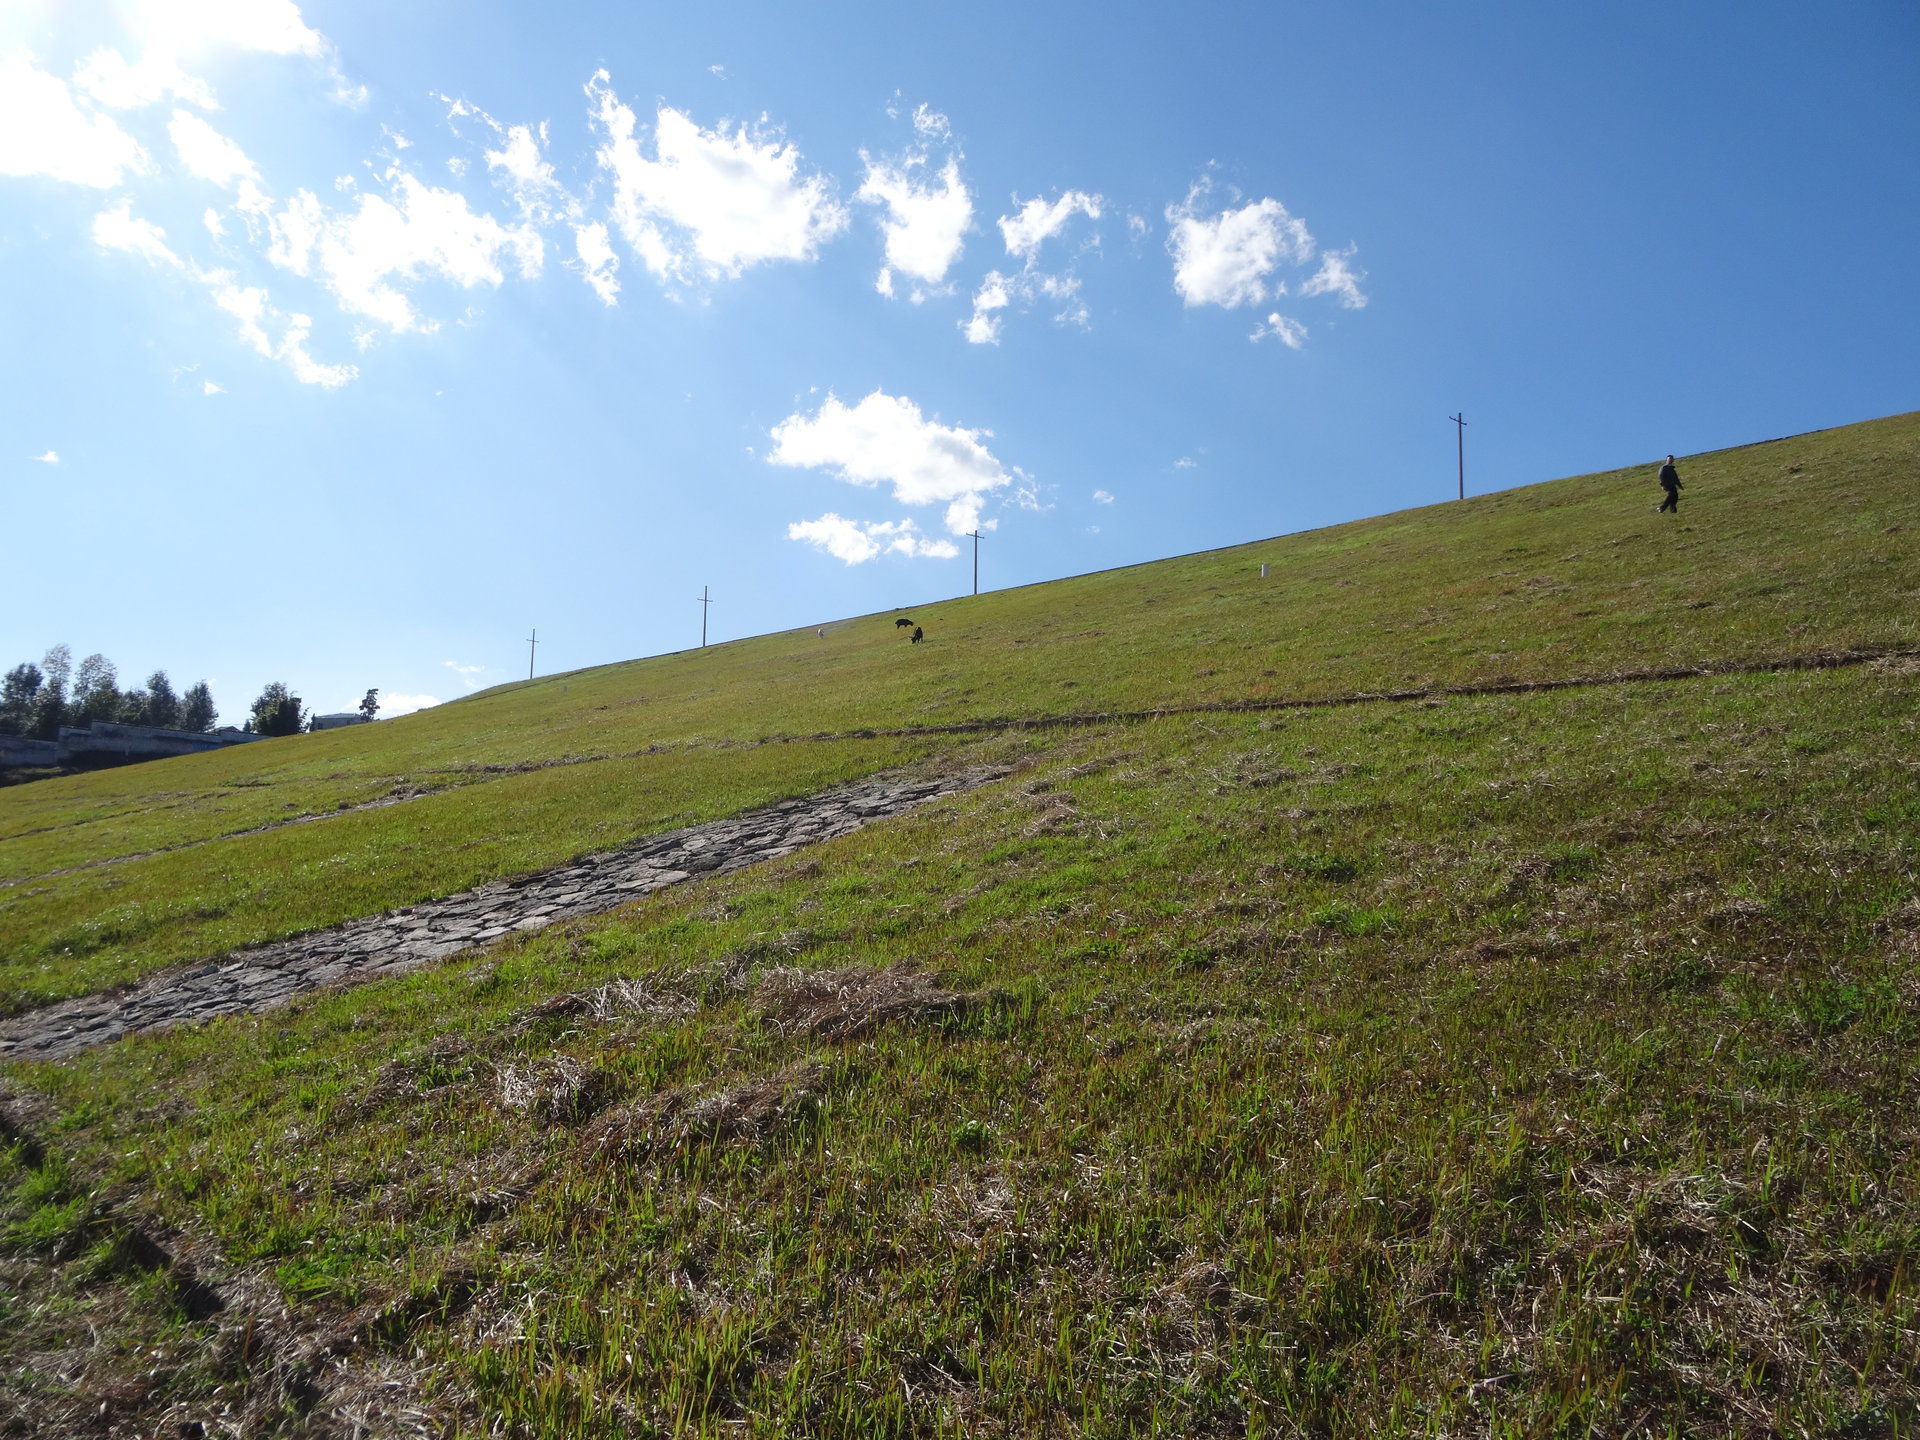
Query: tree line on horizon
x=36, y=700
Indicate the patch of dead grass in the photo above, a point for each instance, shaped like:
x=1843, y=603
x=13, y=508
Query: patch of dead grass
x=846, y=1004
x=748, y=1112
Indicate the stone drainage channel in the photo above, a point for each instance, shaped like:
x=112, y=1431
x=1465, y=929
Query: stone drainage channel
x=248, y=981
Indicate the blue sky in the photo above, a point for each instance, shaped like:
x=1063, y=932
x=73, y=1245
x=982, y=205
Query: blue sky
x=342, y=346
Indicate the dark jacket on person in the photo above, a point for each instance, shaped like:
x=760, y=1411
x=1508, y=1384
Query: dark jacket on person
x=1670, y=477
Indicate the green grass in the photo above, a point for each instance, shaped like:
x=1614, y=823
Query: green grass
x=1785, y=548
x=1512, y=1064
x=80, y=932
x=1317, y=1071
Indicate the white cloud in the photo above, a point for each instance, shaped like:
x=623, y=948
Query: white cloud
x=428, y=233
x=719, y=72
x=465, y=672
x=528, y=175
x=108, y=79
x=1290, y=333
x=885, y=439
x=42, y=132
x=855, y=541
x=713, y=200
x=212, y=387
x=597, y=262
x=925, y=225
x=116, y=229
x=1334, y=277
x=248, y=305
x=930, y=124
x=216, y=227
x=50, y=458
x=1186, y=462
x=1036, y=222
x=1224, y=259
x=1040, y=220
x=207, y=153
x=393, y=703
x=983, y=328
x=273, y=26
x=1104, y=497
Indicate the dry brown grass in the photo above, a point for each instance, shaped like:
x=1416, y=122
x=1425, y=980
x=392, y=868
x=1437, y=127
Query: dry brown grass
x=750, y=1111
x=842, y=1005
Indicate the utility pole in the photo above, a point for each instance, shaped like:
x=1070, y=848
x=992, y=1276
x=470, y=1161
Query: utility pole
x=533, y=640
x=976, y=560
x=704, y=604
x=1460, y=437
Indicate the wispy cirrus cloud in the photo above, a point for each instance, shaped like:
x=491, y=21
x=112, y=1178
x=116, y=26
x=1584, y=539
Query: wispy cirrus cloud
x=119, y=229
x=1290, y=333
x=250, y=308
x=1337, y=277
x=51, y=457
x=1033, y=223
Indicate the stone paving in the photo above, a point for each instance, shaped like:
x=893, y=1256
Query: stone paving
x=248, y=981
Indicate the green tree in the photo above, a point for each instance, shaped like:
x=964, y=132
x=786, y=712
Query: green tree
x=50, y=704
x=163, y=706
x=277, y=711
x=49, y=711
x=57, y=663
x=196, y=709
x=370, y=704
x=96, y=691
x=17, y=692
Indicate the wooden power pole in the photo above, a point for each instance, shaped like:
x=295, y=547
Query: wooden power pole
x=975, y=533
x=704, y=604
x=1460, y=448
x=533, y=642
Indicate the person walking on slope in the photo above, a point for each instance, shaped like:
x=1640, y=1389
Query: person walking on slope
x=1670, y=482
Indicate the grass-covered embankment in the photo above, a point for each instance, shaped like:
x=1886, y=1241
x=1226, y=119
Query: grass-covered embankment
x=1520, y=1064
x=1510, y=1064
x=1791, y=547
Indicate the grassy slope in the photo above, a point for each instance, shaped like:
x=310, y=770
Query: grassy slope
x=1786, y=547
x=1511, y=1065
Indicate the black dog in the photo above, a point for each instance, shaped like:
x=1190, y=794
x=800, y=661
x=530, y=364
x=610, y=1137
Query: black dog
x=901, y=623
x=918, y=634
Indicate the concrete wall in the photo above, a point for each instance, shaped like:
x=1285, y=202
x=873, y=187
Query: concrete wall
x=19, y=750
x=106, y=743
